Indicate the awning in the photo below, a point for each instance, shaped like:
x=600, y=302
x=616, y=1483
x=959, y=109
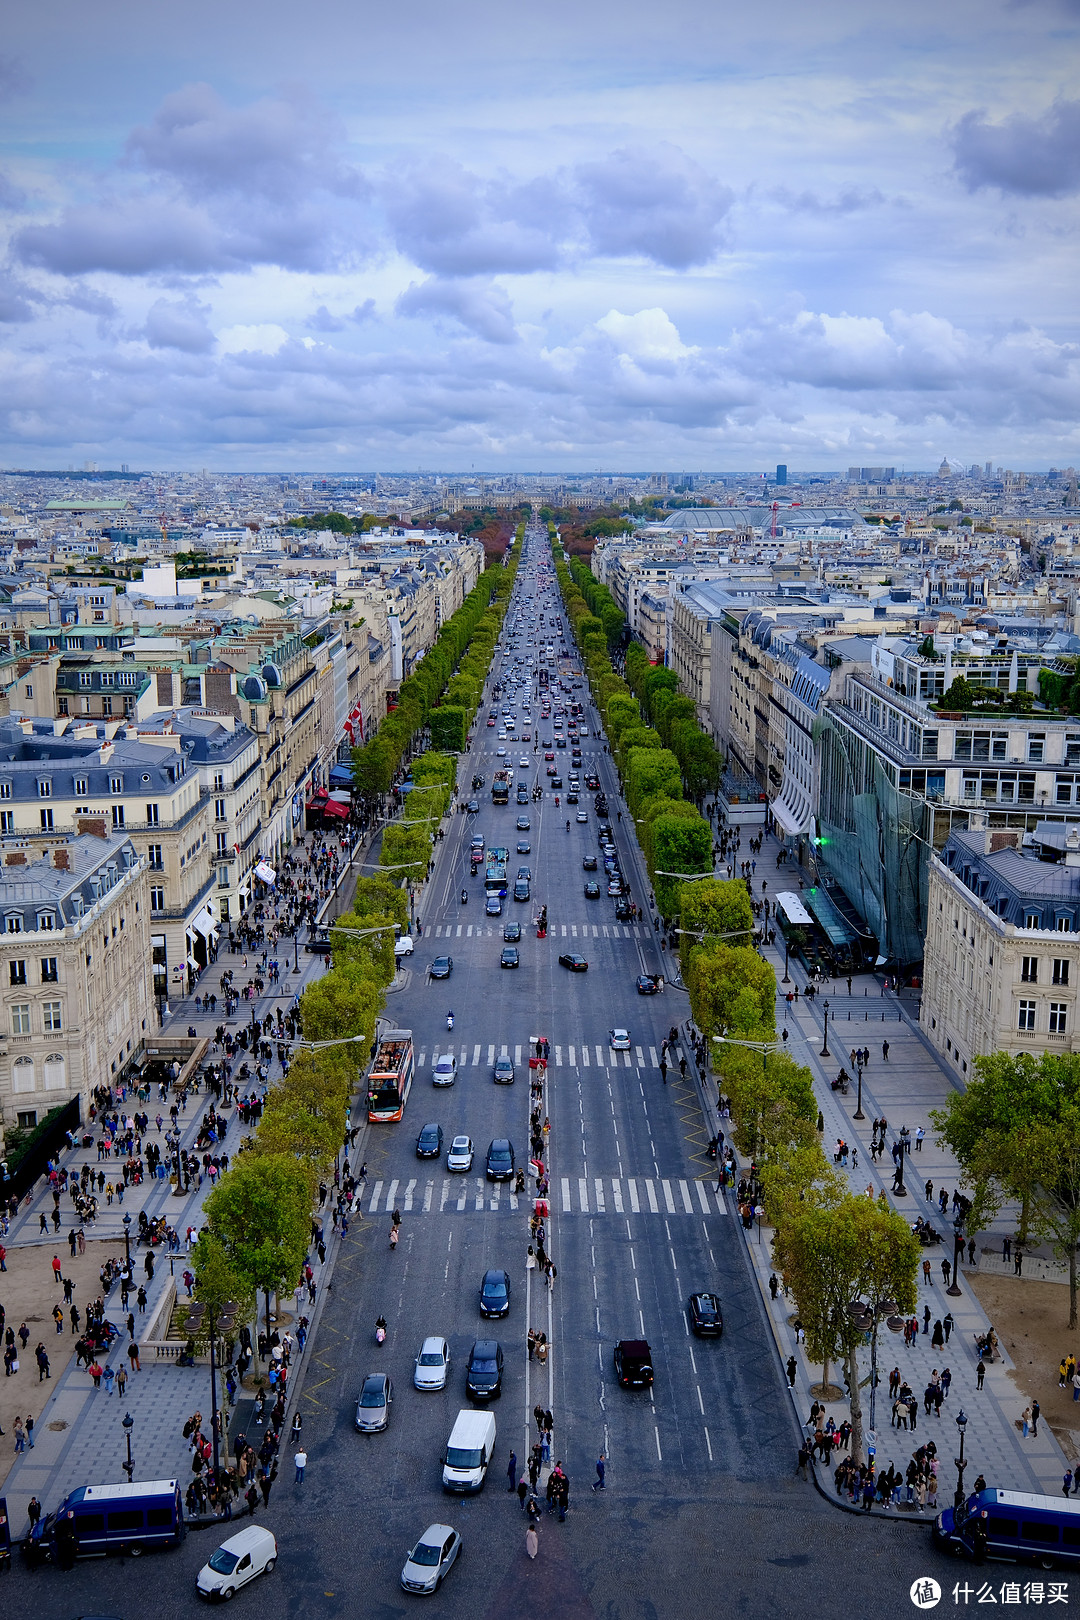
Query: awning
x=790, y=822
x=265, y=872
x=205, y=924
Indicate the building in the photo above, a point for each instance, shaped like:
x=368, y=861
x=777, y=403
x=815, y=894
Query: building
x=1002, y=959
x=75, y=972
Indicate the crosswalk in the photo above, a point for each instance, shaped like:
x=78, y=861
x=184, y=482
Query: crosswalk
x=556, y=931
x=577, y=1195
x=586, y=1056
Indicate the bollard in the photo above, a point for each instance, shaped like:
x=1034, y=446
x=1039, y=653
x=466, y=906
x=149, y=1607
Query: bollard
x=866, y=1018
x=883, y=1018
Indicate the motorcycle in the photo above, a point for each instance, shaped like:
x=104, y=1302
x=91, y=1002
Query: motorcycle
x=464, y=897
x=380, y=1326
x=449, y=1020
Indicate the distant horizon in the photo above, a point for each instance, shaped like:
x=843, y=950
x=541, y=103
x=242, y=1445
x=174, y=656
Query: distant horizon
x=794, y=475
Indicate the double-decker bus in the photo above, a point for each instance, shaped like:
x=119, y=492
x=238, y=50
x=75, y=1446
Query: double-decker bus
x=495, y=877
x=391, y=1075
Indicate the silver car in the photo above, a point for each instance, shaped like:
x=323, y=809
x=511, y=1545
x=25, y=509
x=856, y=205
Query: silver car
x=426, y=1565
x=373, y=1407
x=432, y=1365
x=445, y=1070
x=460, y=1155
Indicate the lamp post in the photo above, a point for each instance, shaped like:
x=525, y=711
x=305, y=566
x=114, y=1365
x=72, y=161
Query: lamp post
x=128, y=1466
x=825, y=1043
x=785, y=979
x=961, y=1424
x=296, y=948
x=958, y=1252
x=127, y=1242
x=858, y=1114
x=222, y=1321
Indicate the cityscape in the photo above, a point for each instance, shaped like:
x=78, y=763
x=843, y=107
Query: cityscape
x=539, y=811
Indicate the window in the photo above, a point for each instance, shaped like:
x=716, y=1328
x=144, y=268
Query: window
x=152, y=814
x=1058, y=1011
x=1036, y=743
x=51, y=1017
x=14, y=922
x=116, y=784
x=1029, y=970
x=81, y=788
x=16, y=972
x=7, y=821
x=46, y=820
x=29, y=691
x=26, y=1118
x=5, y=790
x=219, y=810
x=1032, y=919
x=157, y=897
x=62, y=706
x=46, y=921
x=219, y=777
x=1026, y=1019
x=1061, y=970
x=86, y=677
x=118, y=815
x=106, y=705
x=49, y=973
x=20, y=1018
x=44, y=787
x=1072, y=748
x=154, y=856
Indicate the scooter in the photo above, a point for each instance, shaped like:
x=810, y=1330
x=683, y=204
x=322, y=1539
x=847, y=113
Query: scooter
x=464, y=897
x=380, y=1326
x=449, y=1020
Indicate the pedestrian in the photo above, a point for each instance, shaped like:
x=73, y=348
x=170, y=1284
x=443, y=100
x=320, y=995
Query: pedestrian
x=926, y=1277
x=1025, y=1421
x=926, y=1319
x=30, y=1430
x=532, y=1541
x=523, y=1490
x=1035, y=1410
x=58, y=1270
x=1006, y=1248
x=948, y=1324
x=792, y=1369
x=601, y=1472
x=300, y=1460
x=774, y=1285
x=885, y=1051
x=919, y=1135
x=981, y=1374
x=121, y=1380
x=133, y=1356
x=1066, y=1484
x=946, y=1271
x=802, y=1460
x=511, y=1472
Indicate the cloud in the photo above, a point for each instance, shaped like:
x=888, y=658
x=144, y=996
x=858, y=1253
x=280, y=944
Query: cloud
x=852, y=200
x=657, y=205
x=323, y=321
x=481, y=307
x=450, y=221
x=648, y=335
x=179, y=324
x=16, y=300
x=364, y=312
x=11, y=195
x=1028, y=157
x=265, y=339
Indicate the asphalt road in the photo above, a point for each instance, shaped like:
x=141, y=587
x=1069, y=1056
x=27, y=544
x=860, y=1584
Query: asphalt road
x=701, y=1507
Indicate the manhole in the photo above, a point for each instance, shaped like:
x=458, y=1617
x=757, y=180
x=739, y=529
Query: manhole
x=58, y=1426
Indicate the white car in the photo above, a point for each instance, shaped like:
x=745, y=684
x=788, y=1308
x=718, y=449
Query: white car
x=403, y=946
x=620, y=1040
x=250, y=1552
x=500, y=753
x=432, y=1364
x=445, y=1071
x=523, y=762
x=427, y=1564
x=460, y=1154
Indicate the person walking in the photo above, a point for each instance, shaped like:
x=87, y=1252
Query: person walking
x=121, y=1380
x=948, y=1324
x=802, y=1460
x=946, y=1271
x=1035, y=1410
x=532, y=1541
x=511, y=1472
x=601, y=1472
x=980, y=1373
x=792, y=1369
x=300, y=1462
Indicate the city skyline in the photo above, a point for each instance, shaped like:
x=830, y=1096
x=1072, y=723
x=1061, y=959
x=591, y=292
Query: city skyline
x=615, y=239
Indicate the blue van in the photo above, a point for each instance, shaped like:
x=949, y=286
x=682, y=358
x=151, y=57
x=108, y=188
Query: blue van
x=1013, y=1525
x=99, y=1519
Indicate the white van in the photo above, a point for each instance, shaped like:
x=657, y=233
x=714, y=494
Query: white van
x=469, y=1451
x=249, y=1553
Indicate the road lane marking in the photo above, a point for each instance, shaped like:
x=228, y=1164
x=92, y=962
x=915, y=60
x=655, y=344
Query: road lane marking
x=570, y=1056
x=600, y=1206
x=583, y=1194
x=650, y=1193
x=599, y=1057
x=631, y=1187
x=565, y=1193
x=409, y=1193
x=703, y=1197
x=669, y=1201
x=475, y=1056
x=616, y=1194
x=376, y=1194
x=429, y=1193
x=688, y=1202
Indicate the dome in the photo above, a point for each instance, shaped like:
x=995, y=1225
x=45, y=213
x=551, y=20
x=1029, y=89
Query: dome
x=254, y=688
x=271, y=675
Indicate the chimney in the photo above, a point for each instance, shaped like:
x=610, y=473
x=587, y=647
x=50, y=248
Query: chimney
x=26, y=727
x=94, y=826
x=1072, y=847
x=106, y=752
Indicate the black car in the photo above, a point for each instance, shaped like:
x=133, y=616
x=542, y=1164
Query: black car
x=646, y=984
x=633, y=1364
x=556, y=782
x=509, y=957
x=473, y=806
x=429, y=1142
x=522, y=890
x=576, y=963
x=623, y=910
x=588, y=863
x=571, y=797
x=706, y=1317
x=442, y=967
x=523, y=824
x=592, y=891
x=483, y=1377
x=495, y=1294
x=511, y=933
x=500, y=1159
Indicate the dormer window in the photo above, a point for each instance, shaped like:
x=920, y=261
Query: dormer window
x=1065, y=924
x=13, y=922
x=46, y=921
x=44, y=787
x=116, y=784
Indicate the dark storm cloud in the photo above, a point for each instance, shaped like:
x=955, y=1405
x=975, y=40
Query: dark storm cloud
x=1029, y=157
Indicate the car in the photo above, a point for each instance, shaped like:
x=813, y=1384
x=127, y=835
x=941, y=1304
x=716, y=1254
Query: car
x=706, y=1317
x=620, y=1040
x=445, y=1071
x=614, y=888
x=583, y=731
x=504, y=1071
x=427, y=1564
x=623, y=909
x=429, y=1142
x=556, y=782
x=509, y=957
x=524, y=762
x=576, y=963
x=493, y=906
x=252, y=1551
x=525, y=872
x=523, y=847
x=500, y=1159
x=548, y=756
x=592, y=782
x=491, y=722
x=483, y=1377
x=592, y=891
x=511, y=933
x=473, y=806
x=459, y=1158
x=581, y=816
x=403, y=946
x=589, y=863
x=495, y=1294
x=373, y=1407
x=442, y=967
x=560, y=742
x=572, y=797
x=522, y=890
x=523, y=824
x=633, y=1364
x=646, y=984
x=501, y=752
x=551, y=770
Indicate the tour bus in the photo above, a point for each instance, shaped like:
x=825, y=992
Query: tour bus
x=495, y=877
x=99, y=1519
x=390, y=1077
x=1013, y=1525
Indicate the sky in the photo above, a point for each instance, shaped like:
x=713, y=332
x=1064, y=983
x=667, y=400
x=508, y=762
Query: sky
x=604, y=236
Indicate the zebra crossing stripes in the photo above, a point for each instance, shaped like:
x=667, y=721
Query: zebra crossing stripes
x=584, y=1056
x=638, y=1192
x=566, y=931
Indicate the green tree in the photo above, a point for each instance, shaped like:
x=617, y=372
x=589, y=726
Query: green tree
x=260, y=1213
x=715, y=906
x=679, y=845
x=218, y=1283
x=960, y=697
x=449, y=725
x=339, y=1005
x=718, y=974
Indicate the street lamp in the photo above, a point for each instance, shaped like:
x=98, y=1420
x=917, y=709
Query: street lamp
x=129, y=1466
x=127, y=1242
x=224, y=1323
x=858, y=1111
x=785, y=979
x=961, y=1424
x=958, y=1251
x=825, y=1043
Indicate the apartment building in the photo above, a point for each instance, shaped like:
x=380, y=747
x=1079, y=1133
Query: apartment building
x=1002, y=960
x=75, y=971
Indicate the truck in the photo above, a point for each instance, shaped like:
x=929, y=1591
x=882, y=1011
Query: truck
x=390, y=1076
x=500, y=787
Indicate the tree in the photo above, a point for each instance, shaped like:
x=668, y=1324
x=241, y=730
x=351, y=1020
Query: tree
x=340, y=1004
x=680, y=845
x=960, y=697
x=716, y=906
x=218, y=1283
x=831, y=1256
x=976, y=1124
x=718, y=973
x=260, y=1213
x=449, y=726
